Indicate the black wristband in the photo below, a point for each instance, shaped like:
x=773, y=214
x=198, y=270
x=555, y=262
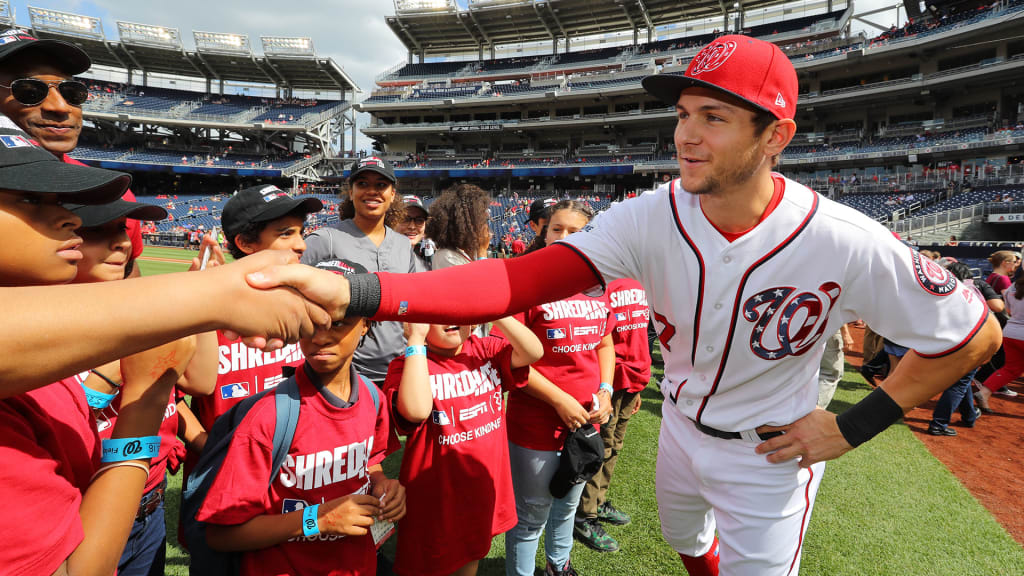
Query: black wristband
x=364, y=299
x=865, y=419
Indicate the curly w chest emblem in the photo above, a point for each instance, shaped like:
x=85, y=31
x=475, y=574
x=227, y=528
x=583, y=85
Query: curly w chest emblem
x=787, y=323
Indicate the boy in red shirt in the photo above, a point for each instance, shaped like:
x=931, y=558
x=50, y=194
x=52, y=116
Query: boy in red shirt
x=446, y=394
x=332, y=474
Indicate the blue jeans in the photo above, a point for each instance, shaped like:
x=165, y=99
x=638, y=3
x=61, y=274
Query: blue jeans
x=537, y=508
x=956, y=397
x=145, y=552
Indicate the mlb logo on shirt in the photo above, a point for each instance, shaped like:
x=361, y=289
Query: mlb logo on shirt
x=440, y=418
x=12, y=141
x=620, y=317
x=556, y=333
x=292, y=504
x=236, y=390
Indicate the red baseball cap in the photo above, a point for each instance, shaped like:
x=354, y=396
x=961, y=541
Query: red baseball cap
x=750, y=69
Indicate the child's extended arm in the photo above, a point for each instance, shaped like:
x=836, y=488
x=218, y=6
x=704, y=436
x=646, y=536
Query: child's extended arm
x=350, y=515
x=200, y=377
x=526, y=347
x=414, y=398
x=190, y=430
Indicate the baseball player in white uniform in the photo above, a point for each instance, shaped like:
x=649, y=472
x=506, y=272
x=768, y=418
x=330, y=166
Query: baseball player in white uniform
x=745, y=271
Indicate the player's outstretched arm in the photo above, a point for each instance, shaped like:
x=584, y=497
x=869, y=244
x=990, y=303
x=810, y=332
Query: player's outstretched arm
x=63, y=330
x=821, y=435
x=499, y=287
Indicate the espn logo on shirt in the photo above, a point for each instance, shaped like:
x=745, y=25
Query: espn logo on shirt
x=293, y=505
x=585, y=330
x=440, y=418
x=556, y=333
x=272, y=381
x=473, y=411
x=236, y=390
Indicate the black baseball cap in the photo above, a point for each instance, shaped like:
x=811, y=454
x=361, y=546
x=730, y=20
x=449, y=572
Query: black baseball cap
x=69, y=57
x=341, y=266
x=262, y=204
x=373, y=164
x=582, y=456
x=539, y=208
x=27, y=167
x=414, y=201
x=100, y=214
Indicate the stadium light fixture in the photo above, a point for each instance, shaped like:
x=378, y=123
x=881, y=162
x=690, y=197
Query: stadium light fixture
x=148, y=35
x=420, y=6
x=222, y=42
x=6, y=13
x=65, y=23
x=287, y=46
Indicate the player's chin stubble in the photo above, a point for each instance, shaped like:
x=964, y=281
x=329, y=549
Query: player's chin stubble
x=733, y=176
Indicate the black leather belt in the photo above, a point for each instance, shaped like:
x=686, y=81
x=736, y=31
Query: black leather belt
x=733, y=435
x=151, y=501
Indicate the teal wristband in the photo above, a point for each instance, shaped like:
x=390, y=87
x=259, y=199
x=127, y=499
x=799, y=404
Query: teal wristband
x=98, y=400
x=121, y=449
x=607, y=388
x=310, y=526
x=415, y=351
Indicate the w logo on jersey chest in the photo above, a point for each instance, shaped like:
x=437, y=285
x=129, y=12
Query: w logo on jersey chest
x=787, y=323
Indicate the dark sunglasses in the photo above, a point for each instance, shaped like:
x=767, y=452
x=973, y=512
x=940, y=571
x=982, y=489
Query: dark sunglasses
x=32, y=91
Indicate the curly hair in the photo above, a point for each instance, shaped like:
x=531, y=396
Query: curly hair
x=540, y=240
x=458, y=219
x=392, y=218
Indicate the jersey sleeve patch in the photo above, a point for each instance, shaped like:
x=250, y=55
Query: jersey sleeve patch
x=933, y=278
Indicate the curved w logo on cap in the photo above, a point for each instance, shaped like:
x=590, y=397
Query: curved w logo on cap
x=711, y=57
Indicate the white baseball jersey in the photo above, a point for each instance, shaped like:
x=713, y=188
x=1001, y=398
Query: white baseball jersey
x=742, y=323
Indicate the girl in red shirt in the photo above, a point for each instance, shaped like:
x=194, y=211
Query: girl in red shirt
x=446, y=394
x=568, y=387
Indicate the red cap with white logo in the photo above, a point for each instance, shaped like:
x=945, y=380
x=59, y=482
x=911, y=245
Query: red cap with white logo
x=750, y=69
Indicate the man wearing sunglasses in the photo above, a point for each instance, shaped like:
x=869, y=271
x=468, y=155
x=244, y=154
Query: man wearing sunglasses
x=39, y=94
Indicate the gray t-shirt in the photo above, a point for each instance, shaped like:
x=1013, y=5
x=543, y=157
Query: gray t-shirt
x=346, y=240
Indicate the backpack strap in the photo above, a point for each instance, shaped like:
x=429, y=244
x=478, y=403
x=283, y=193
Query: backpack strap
x=374, y=392
x=287, y=401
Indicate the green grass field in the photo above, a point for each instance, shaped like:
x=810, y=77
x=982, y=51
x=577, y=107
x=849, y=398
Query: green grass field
x=888, y=508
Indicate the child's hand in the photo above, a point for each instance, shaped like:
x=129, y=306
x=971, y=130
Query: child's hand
x=416, y=334
x=572, y=413
x=393, y=502
x=216, y=254
x=604, y=409
x=350, y=515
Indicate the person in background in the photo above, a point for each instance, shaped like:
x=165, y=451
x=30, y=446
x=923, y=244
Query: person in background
x=413, y=226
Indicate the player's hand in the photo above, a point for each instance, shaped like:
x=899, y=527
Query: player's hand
x=350, y=515
x=391, y=495
x=604, y=409
x=266, y=317
x=813, y=438
x=328, y=290
x=415, y=334
x=216, y=253
x=572, y=413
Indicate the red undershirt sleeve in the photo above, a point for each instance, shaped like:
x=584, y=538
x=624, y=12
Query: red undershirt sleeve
x=486, y=289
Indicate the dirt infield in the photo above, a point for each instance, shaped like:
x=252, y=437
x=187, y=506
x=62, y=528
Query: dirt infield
x=987, y=459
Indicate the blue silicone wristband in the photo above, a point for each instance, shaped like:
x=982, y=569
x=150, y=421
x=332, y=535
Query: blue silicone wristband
x=415, y=351
x=607, y=387
x=121, y=449
x=310, y=526
x=98, y=400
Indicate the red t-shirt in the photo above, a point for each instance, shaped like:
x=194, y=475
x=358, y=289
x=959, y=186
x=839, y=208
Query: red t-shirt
x=570, y=331
x=518, y=246
x=628, y=302
x=168, y=434
x=998, y=282
x=328, y=459
x=134, y=228
x=242, y=372
x=50, y=449
x=459, y=455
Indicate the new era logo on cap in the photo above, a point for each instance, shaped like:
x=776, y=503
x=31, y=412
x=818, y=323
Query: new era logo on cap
x=780, y=101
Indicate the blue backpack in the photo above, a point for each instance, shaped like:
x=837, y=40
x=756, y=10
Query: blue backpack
x=206, y=561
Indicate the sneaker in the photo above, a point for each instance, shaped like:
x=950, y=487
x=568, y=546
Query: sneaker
x=941, y=430
x=612, y=515
x=1004, y=391
x=977, y=414
x=566, y=570
x=590, y=532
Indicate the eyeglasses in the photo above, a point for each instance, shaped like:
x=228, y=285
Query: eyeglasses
x=32, y=91
x=418, y=220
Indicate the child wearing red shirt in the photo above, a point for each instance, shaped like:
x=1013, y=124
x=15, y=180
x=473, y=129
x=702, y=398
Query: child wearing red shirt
x=446, y=394
x=568, y=387
x=331, y=476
